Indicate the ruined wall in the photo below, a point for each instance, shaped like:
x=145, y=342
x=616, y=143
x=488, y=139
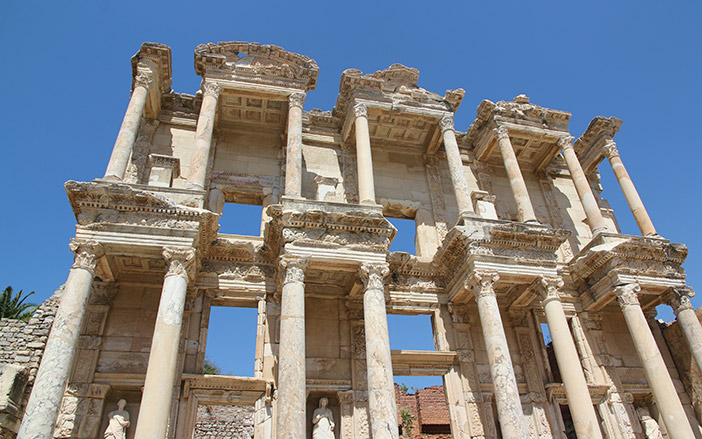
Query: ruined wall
x=224, y=422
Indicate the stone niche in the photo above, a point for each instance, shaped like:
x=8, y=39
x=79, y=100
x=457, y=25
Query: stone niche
x=133, y=398
x=313, y=403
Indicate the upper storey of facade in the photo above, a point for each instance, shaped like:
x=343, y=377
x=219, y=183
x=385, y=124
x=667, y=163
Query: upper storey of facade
x=514, y=191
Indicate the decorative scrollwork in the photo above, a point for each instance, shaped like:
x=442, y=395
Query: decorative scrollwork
x=143, y=79
x=446, y=123
x=548, y=288
x=180, y=261
x=482, y=283
x=360, y=110
x=679, y=298
x=610, y=149
x=292, y=268
x=372, y=275
x=501, y=133
x=87, y=254
x=296, y=100
x=211, y=89
x=627, y=294
x=565, y=142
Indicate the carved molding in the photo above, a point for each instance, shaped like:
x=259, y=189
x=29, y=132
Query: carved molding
x=679, y=298
x=296, y=100
x=372, y=275
x=627, y=294
x=610, y=149
x=360, y=110
x=180, y=261
x=211, y=89
x=87, y=254
x=501, y=133
x=292, y=268
x=446, y=123
x=565, y=142
x=482, y=283
x=143, y=79
x=548, y=288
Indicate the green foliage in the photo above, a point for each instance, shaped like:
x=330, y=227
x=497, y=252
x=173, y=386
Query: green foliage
x=406, y=389
x=407, y=419
x=212, y=368
x=14, y=307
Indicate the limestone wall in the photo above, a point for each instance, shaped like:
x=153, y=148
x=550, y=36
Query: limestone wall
x=224, y=422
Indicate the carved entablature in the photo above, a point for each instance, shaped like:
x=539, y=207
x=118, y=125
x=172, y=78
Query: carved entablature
x=115, y=209
x=334, y=227
x=534, y=132
x=591, y=146
x=156, y=55
x=255, y=63
x=507, y=243
x=409, y=274
x=610, y=260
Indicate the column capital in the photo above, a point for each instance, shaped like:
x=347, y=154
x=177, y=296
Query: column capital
x=180, y=261
x=292, y=268
x=482, y=283
x=144, y=79
x=87, y=254
x=360, y=110
x=501, y=132
x=679, y=298
x=446, y=123
x=373, y=274
x=566, y=142
x=211, y=89
x=296, y=100
x=548, y=288
x=610, y=149
x=627, y=294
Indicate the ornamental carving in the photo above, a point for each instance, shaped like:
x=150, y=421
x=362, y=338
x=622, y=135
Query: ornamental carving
x=482, y=283
x=296, y=100
x=446, y=123
x=373, y=274
x=143, y=79
x=679, y=298
x=87, y=254
x=180, y=261
x=548, y=288
x=610, y=149
x=360, y=110
x=211, y=89
x=627, y=294
x=565, y=142
x=292, y=269
x=501, y=133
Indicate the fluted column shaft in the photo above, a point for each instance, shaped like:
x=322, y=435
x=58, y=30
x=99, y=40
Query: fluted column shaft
x=455, y=164
x=157, y=396
x=504, y=383
x=366, y=184
x=679, y=299
x=381, y=387
x=659, y=380
x=130, y=127
x=577, y=392
x=292, y=385
x=630, y=193
x=45, y=400
x=525, y=210
x=293, y=161
x=587, y=198
x=197, y=171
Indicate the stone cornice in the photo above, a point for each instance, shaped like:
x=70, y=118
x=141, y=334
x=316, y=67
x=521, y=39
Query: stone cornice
x=590, y=146
x=160, y=55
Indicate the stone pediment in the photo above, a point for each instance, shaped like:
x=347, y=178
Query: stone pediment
x=256, y=63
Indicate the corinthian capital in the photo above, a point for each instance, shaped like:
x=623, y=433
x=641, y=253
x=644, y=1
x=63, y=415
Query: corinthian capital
x=180, y=261
x=87, y=254
x=446, y=123
x=548, y=288
x=373, y=274
x=143, y=79
x=292, y=268
x=296, y=100
x=482, y=283
x=679, y=298
x=627, y=294
x=565, y=142
x=211, y=89
x=360, y=110
x=501, y=133
x=610, y=149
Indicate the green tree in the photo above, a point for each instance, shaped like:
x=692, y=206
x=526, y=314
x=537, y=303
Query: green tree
x=211, y=368
x=407, y=419
x=14, y=306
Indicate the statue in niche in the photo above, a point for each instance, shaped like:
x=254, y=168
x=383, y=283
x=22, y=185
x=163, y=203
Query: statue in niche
x=650, y=426
x=323, y=421
x=118, y=423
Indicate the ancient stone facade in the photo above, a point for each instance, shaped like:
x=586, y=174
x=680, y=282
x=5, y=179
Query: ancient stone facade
x=511, y=233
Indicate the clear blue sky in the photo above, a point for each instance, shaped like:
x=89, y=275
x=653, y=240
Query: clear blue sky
x=67, y=78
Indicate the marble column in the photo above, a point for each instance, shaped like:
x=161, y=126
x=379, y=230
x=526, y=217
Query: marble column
x=504, y=383
x=119, y=160
x=381, y=387
x=582, y=186
x=577, y=392
x=679, y=299
x=292, y=385
x=197, y=170
x=525, y=210
x=364, y=159
x=156, y=400
x=659, y=380
x=632, y=196
x=45, y=400
x=215, y=201
x=293, y=161
x=455, y=164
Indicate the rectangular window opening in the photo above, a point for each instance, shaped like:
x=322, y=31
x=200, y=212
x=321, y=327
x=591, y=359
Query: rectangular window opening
x=225, y=353
x=421, y=405
x=411, y=332
x=404, y=240
x=241, y=219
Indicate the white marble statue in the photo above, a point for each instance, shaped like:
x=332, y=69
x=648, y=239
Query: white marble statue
x=650, y=426
x=118, y=423
x=323, y=421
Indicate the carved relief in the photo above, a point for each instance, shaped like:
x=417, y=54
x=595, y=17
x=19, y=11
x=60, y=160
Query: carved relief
x=436, y=194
